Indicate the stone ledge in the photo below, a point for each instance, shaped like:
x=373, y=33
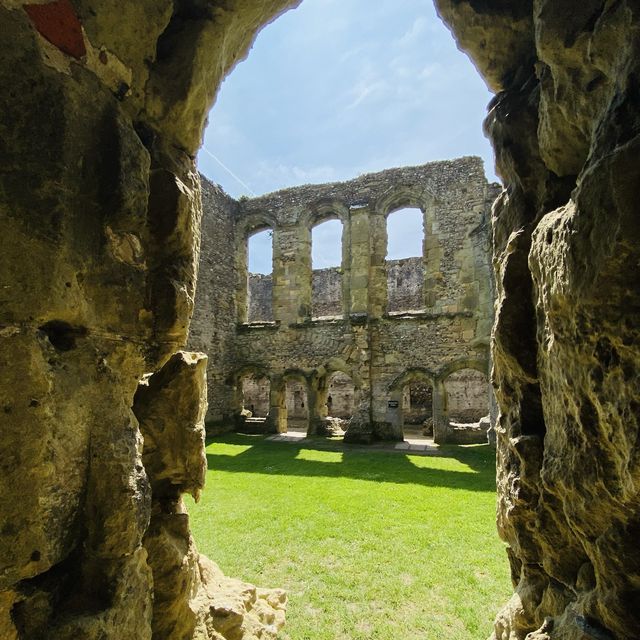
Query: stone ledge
x=243, y=327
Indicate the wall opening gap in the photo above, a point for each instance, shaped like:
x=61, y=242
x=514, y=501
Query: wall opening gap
x=340, y=398
x=326, y=265
x=417, y=408
x=297, y=404
x=260, y=276
x=404, y=261
x=256, y=392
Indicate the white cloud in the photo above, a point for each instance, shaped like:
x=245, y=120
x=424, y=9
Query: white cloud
x=363, y=90
x=284, y=174
x=417, y=29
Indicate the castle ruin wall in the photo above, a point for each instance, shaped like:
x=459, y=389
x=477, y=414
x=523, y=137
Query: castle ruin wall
x=375, y=320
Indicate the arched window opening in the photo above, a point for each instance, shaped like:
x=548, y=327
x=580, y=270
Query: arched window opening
x=417, y=408
x=467, y=393
x=404, y=261
x=260, y=276
x=297, y=406
x=326, y=264
x=256, y=392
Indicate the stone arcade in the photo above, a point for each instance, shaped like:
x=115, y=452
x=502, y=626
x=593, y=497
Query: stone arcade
x=103, y=105
x=443, y=329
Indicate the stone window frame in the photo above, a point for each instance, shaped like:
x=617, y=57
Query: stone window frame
x=396, y=198
x=253, y=224
x=320, y=211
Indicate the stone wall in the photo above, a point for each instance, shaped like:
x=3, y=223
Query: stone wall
x=565, y=125
x=467, y=396
x=102, y=112
x=326, y=292
x=448, y=290
x=260, y=295
x=405, y=283
x=215, y=307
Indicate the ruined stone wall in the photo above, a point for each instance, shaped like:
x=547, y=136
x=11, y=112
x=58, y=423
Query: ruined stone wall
x=101, y=114
x=326, y=292
x=467, y=396
x=214, y=319
x=448, y=290
x=565, y=125
x=405, y=282
x=260, y=294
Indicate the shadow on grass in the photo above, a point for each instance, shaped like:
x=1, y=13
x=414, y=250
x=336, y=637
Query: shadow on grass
x=273, y=458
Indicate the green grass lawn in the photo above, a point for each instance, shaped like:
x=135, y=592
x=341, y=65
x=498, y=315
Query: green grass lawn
x=369, y=545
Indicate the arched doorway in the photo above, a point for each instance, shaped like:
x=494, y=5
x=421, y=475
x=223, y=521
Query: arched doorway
x=417, y=408
x=255, y=396
x=296, y=403
x=411, y=405
x=253, y=402
x=340, y=396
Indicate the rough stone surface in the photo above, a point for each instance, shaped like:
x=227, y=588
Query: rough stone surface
x=260, y=295
x=565, y=125
x=192, y=598
x=170, y=407
x=101, y=115
x=99, y=218
x=388, y=323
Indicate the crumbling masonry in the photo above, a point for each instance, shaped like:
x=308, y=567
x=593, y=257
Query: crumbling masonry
x=447, y=294
x=102, y=110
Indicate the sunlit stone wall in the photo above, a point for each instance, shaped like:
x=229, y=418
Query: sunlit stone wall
x=434, y=319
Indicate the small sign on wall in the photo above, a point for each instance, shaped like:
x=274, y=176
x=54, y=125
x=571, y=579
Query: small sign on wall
x=393, y=404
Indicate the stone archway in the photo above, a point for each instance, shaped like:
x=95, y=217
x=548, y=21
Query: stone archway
x=296, y=399
x=100, y=210
x=399, y=406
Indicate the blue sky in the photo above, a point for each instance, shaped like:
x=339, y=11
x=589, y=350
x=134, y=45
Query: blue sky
x=337, y=88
